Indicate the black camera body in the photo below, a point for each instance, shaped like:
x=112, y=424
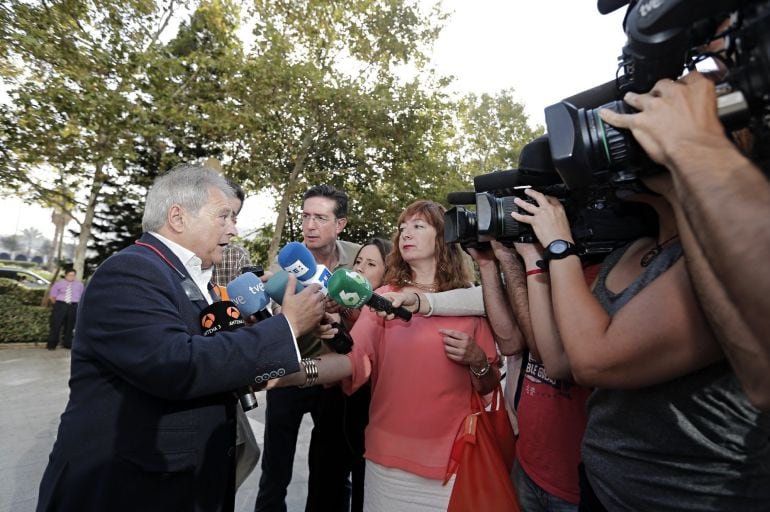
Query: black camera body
x=599, y=221
x=664, y=38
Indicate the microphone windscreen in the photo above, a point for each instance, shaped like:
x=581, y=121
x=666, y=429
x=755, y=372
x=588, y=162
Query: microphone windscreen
x=275, y=287
x=222, y=315
x=348, y=288
x=297, y=259
x=247, y=292
x=461, y=198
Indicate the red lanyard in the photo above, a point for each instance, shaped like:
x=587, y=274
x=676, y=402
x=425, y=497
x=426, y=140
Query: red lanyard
x=163, y=257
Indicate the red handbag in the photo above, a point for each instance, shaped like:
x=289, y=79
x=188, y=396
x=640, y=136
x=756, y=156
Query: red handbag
x=482, y=457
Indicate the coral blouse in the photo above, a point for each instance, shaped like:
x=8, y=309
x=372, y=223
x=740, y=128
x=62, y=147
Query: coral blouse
x=419, y=396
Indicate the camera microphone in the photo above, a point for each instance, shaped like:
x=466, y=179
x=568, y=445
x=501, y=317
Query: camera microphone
x=608, y=6
x=461, y=198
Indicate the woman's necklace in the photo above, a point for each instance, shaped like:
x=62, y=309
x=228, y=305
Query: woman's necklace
x=430, y=288
x=653, y=253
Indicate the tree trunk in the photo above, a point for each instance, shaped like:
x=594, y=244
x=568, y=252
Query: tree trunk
x=88, y=220
x=288, y=191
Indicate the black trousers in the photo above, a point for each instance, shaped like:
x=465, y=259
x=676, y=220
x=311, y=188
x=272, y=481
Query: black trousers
x=62, y=316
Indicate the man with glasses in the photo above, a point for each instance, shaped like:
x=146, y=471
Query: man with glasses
x=324, y=216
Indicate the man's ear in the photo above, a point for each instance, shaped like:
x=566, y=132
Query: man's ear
x=341, y=223
x=176, y=218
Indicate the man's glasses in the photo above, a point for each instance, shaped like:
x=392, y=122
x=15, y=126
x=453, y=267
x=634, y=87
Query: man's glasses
x=319, y=219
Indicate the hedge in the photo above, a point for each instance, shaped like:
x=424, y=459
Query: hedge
x=22, y=320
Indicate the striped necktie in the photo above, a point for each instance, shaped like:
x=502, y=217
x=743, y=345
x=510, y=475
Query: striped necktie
x=68, y=294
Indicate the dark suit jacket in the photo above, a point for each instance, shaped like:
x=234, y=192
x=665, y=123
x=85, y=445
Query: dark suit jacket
x=150, y=423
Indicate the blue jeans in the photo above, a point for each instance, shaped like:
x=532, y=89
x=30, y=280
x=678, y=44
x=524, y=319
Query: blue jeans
x=533, y=498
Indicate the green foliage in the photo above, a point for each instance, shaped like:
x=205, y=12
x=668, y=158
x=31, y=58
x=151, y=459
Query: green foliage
x=22, y=320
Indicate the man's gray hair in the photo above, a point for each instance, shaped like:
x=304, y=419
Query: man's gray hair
x=186, y=185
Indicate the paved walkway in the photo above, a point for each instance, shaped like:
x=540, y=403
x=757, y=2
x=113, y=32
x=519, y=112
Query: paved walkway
x=33, y=394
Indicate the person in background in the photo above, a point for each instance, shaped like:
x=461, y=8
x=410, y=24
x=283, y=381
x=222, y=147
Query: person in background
x=150, y=422
x=422, y=372
x=234, y=258
x=324, y=217
x=370, y=263
x=65, y=295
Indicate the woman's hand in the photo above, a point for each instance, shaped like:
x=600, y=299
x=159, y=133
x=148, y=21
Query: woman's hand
x=547, y=217
x=462, y=348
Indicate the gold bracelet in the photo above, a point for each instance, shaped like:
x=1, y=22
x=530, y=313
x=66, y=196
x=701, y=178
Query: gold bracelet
x=480, y=373
x=311, y=372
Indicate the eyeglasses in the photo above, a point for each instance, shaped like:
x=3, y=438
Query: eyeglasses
x=319, y=219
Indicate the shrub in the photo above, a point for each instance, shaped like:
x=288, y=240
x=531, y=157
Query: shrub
x=22, y=320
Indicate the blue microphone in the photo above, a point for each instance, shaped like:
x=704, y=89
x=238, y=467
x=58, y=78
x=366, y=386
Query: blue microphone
x=296, y=259
x=247, y=292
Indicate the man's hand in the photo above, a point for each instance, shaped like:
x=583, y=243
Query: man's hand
x=303, y=310
x=483, y=257
x=672, y=117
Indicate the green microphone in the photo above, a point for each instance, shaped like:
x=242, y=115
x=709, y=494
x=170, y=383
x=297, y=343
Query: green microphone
x=352, y=290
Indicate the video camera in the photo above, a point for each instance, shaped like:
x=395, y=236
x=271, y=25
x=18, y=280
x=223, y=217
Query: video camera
x=664, y=38
x=599, y=223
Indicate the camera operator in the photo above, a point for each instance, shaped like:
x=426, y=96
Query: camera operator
x=724, y=218
x=668, y=423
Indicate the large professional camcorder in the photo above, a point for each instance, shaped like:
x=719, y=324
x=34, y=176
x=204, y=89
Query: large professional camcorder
x=664, y=39
x=587, y=164
x=599, y=222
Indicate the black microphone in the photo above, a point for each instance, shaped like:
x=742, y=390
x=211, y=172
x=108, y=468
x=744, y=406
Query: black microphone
x=461, y=198
x=224, y=315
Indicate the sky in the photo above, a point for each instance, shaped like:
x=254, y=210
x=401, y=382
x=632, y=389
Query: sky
x=546, y=50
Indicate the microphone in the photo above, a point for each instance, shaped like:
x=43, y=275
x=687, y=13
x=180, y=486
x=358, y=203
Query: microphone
x=247, y=292
x=275, y=287
x=461, y=198
x=352, y=290
x=298, y=260
x=342, y=343
x=223, y=315
x=220, y=316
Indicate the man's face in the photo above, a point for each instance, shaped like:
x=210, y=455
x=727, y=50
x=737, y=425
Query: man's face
x=319, y=225
x=208, y=233
x=70, y=276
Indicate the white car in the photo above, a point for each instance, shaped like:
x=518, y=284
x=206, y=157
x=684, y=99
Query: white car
x=24, y=277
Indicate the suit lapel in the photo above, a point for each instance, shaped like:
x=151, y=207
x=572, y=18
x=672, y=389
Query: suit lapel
x=186, y=283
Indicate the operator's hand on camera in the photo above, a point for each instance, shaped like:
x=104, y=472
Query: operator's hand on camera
x=547, y=217
x=461, y=348
x=673, y=118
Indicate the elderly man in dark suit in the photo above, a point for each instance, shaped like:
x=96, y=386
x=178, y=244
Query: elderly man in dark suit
x=150, y=423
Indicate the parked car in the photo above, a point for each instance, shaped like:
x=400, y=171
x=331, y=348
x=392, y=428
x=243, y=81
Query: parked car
x=24, y=277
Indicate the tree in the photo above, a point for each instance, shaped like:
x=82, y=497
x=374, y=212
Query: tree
x=30, y=237
x=325, y=105
x=11, y=243
x=72, y=69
